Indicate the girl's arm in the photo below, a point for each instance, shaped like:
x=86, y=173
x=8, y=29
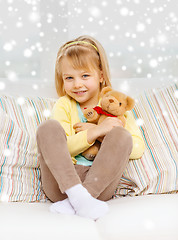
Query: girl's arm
x=138, y=143
x=63, y=113
x=98, y=131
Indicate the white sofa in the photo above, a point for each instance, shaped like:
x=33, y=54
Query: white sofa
x=139, y=217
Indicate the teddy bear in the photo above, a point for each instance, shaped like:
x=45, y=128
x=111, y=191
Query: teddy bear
x=113, y=104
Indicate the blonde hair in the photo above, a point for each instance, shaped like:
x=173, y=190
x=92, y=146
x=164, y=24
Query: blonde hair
x=83, y=52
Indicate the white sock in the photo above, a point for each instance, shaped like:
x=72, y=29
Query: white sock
x=84, y=204
x=62, y=207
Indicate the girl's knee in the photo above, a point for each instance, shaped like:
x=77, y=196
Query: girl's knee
x=49, y=127
x=122, y=137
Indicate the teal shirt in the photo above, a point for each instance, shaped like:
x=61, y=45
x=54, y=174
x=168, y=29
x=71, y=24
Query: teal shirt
x=80, y=159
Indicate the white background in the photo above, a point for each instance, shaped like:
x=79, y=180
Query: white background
x=140, y=37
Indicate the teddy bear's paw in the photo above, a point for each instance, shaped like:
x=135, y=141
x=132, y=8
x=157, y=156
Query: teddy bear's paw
x=90, y=114
x=90, y=157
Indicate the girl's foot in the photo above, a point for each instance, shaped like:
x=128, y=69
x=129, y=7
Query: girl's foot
x=62, y=207
x=84, y=204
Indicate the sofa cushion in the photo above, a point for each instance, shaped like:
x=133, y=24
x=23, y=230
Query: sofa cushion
x=156, y=112
x=33, y=221
x=156, y=172
x=19, y=166
x=141, y=218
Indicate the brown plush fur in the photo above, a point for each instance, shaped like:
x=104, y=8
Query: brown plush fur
x=113, y=102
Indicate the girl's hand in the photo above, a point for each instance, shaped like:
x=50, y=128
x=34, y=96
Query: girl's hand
x=99, y=131
x=82, y=126
x=107, y=125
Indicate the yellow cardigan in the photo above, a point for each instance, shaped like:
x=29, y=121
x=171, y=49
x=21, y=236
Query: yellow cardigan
x=65, y=111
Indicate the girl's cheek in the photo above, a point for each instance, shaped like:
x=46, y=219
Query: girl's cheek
x=67, y=86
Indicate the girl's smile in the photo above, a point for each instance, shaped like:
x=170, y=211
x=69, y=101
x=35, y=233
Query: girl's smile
x=80, y=93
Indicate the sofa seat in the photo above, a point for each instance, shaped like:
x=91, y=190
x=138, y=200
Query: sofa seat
x=150, y=217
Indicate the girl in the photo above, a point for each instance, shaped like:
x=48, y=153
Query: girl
x=74, y=184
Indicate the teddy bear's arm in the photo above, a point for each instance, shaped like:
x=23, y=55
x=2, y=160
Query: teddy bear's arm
x=101, y=119
x=122, y=118
x=91, y=115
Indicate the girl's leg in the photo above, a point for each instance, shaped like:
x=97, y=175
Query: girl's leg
x=57, y=170
x=109, y=191
x=58, y=174
x=104, y=175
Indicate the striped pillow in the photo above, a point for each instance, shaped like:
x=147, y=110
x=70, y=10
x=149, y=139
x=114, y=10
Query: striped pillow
x=156, y=112
x=19, y=166
x=155, y=172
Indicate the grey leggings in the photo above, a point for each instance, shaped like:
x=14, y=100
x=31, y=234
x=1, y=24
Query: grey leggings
x=58, y=173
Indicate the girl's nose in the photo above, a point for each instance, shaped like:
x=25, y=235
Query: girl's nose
x=77, y=83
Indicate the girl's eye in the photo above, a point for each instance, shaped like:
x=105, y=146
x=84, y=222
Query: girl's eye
x=120, y=104
x=85, y=76
x=68, y=78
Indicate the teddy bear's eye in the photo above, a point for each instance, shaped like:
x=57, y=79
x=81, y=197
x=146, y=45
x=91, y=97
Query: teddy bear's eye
x=120, y=104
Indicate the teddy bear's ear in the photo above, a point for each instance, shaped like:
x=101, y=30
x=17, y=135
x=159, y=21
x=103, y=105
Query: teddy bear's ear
x=105, y=90
x=130, y=103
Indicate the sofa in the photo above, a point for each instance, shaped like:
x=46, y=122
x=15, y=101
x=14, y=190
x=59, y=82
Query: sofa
x=145, y=204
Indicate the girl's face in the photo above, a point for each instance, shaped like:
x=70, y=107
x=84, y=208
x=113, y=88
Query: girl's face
x=81, y=85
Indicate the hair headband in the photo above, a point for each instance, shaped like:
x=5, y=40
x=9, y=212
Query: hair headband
x=82, y=42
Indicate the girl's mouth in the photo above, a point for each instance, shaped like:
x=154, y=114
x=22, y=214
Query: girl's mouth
x=80, y=92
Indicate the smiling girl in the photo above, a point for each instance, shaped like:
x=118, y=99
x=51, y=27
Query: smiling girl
x=75, y=184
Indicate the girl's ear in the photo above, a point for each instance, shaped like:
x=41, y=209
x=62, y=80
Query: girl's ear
x=105, y=90
x=130, y=103
x=101, y=77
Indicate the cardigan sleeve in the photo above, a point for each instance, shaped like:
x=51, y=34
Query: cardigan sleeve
x=62, y=112
x=138, y=143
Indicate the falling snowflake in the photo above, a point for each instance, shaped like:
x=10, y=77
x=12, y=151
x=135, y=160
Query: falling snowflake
x=161, y=38
x=140, y=61
x=7, y=63
x=176, y=94
x=50, y=17
x=34, y=16
x=27, y=53
x=124, y=68
x=149, y=75
x=8, y=47
x=117, y=27
x=140, y=27
x=95, y=12
x=62, y=3
x=112, y=37
x=7, y=152
x=20, y=100
x=142, y=44
x=165, y=113
x=35, y=86
x=111, y=54
x=41, y=34
x=124, y=11
x=12, y=76
x=138, y=70
x=130, y=49
x=124, y=86
x=2, y=86
x=4, y=197
x=149, y=224
x=33, y=73
x=47, y=113
x=139, y=122
x=104, y=3
x=19, y=24
x=153, y=63
x=101, y=22
x=30, y=111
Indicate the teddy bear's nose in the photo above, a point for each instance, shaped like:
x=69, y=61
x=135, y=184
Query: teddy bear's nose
x=111, y=100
